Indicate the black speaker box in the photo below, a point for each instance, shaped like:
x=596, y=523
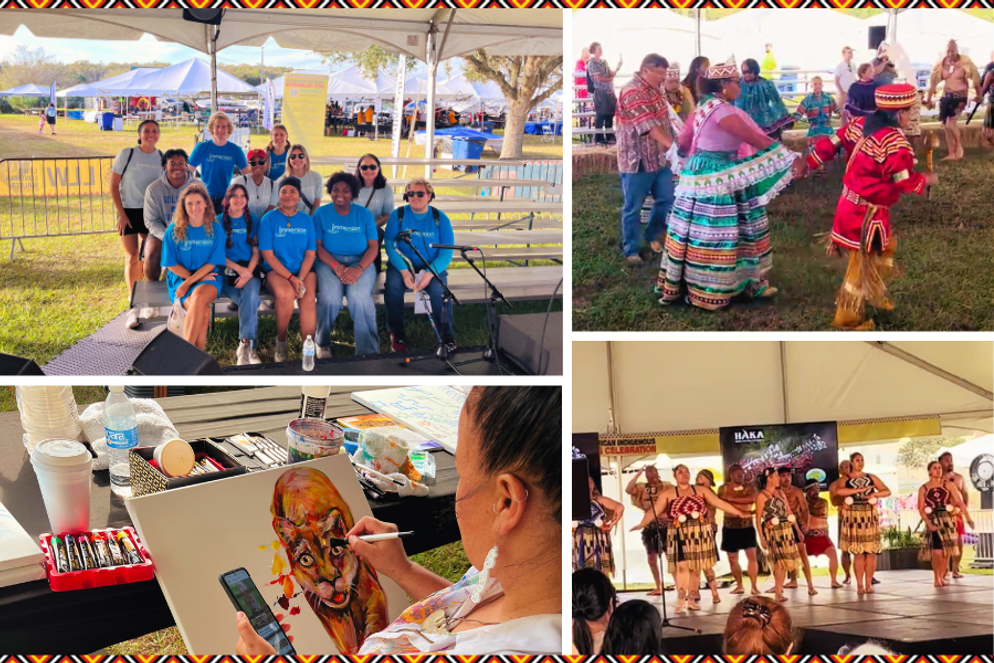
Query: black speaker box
x=14, y=365
x=878, y=34
x=581, y=491
x=168, y=354
x=520, y=338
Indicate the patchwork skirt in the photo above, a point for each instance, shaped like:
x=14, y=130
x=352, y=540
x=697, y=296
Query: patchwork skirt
x=860, y=529
x=718, y=235
x=592, y=549
x=946, y=538
x=692, y=542
x=781, y=544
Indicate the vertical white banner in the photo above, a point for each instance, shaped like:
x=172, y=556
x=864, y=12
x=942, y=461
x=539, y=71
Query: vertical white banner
x=270, y=110
x=398, y=108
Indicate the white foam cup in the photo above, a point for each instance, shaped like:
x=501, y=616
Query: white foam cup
x=63, y=469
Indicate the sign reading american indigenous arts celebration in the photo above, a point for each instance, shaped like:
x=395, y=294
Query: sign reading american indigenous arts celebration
x=810, y=450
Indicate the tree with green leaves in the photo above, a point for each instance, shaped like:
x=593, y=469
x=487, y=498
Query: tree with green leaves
x=370, y=61
x=526, y=81
x=917, y=452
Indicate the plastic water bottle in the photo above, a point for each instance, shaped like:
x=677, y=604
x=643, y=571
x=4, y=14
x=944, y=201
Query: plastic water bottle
x=121, y=429
x=309, y=350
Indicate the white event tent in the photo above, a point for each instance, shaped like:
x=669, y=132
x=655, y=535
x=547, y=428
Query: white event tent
x=100, y=88
x=30, y=90
x=430, y=35
x=184, y=79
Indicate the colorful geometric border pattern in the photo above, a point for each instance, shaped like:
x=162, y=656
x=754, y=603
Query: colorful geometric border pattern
x=506, y=4
x=697, y=658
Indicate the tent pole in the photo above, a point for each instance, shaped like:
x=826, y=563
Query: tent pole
x=431, y=63
x=612, y=414
x=212, y=48
x=697, y=32
x=903, y=355
x=783, y=382
x=398, y=108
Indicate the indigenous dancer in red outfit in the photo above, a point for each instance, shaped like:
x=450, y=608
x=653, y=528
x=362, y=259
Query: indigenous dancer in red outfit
x=880, y=169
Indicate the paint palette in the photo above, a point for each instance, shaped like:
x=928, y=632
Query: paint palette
x=102, y=577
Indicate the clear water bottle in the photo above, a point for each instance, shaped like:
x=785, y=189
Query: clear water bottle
x=309, y=351
x=121, y=429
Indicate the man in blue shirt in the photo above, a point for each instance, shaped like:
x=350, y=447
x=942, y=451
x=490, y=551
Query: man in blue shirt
x=426, y=226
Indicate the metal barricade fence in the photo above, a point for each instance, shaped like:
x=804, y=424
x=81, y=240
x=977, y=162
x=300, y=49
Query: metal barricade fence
x=982, y=533
x=53, y=197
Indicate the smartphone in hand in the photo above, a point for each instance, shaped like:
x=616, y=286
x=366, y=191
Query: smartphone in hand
x=245, y=596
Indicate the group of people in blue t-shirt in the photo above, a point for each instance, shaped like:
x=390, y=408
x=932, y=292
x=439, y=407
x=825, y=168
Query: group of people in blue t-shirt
x=264, y=229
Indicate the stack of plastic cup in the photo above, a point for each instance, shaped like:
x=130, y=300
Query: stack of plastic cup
x=47, y=412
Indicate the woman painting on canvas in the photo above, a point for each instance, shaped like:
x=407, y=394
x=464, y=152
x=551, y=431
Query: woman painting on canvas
x=508, y=506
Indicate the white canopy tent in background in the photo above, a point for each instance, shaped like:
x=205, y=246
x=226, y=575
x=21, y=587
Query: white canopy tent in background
x=184, y=79
x=706, y=385
x=99, y=88
x=430, y=35
x=924, y=34
x=30, y=90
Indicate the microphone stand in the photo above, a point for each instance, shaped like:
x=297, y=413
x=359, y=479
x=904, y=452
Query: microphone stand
x=662, y=580
x=447, y=297
x=496, y=297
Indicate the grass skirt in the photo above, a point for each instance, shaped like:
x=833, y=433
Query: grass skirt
x=718, y=235
x=947, y=535
x=781, y=544
x=860, y=529
x=692, y=542
x=592, y=549
x=868, y=273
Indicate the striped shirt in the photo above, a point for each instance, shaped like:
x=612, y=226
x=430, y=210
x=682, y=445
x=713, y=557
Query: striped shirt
x=641, y=107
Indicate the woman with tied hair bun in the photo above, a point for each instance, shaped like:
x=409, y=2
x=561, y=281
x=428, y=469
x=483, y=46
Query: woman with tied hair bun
x=635, y=629
x=758, y=625
x=594, y=600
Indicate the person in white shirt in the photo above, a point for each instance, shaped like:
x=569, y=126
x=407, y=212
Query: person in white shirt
x=259, y=186
x=845, y=75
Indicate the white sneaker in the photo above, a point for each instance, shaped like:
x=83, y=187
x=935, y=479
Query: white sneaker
x=149, y=313
x=242, y=354
x=253, y=357
x=131, y=319
x=324, y=353
x=282, y=354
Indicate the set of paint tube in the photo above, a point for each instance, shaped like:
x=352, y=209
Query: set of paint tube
x=94, y=550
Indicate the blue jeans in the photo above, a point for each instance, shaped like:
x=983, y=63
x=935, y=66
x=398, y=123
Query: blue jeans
x=361, y=306
x=635, y=187
x=247, y=299
x=394, y=299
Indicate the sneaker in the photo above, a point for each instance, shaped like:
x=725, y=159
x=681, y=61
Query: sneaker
x=149, y=313
x=324, y=353
x=232, y=306
x=131, y=319
x=282, y=354
x=242, y=354
x=398, y=344
x=450, y=347
x=253, y=356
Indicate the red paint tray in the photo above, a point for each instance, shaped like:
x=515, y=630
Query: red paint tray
x=88, y=578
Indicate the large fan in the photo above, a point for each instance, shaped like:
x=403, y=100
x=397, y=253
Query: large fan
x=982, y=472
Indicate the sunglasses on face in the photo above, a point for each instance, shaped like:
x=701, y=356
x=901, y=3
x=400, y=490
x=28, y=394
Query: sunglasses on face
x=373, y=167
x=296, y=156
x=257, y=163
x=417, y=194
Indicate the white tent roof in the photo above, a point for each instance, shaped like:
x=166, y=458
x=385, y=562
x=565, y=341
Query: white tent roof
x=349, y=84
x=682, y=386
x=188, y=78
x=30, y=90
x=500, y=31
x=100, y=88
x=924, y=34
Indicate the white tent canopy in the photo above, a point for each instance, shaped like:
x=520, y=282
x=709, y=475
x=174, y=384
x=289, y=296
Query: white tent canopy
x=707, y=385
x=187, y=79
x=924, y=34
x=30, y=90
x=100, y=88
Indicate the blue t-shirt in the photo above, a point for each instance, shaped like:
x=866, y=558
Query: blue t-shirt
x=345, y=235
x=197, y=250
x=240, y=249
x=277, y=164
x=217, y=164
x=288, y=239
x=424, y=232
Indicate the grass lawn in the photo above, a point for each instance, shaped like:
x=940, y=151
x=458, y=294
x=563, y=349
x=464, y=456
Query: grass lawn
x=944, y=260
x=60, y=290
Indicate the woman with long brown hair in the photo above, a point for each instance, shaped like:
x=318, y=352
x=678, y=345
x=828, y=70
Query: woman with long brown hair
x=938, y=503
x=775, y=529
x=241, y=282
x=192, y=254
x=860, y=522
x=592, y=537
x=310, y=184
x=276, y=152
x=691, y=83
x=375, y=196
x=689, y=539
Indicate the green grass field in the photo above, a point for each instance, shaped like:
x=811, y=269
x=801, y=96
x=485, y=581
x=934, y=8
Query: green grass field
x=945, y=267
x=59, y=290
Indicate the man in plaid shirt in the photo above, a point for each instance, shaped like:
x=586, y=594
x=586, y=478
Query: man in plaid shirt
x=644, y=135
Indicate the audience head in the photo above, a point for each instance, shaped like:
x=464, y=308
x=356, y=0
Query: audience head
x=635, y=629
x=817, y=85
x=596, y=50
x=585, y=53
x=594, y=599
x=368, y=169
x=758, y=625
x=864, y=71
x=868, y=648
x=695, y=75
x=769, y=47
x=750, y=69
x=847, y=53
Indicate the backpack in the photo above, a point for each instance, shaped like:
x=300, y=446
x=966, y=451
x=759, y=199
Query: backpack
x=400, y=216
x=590, y=83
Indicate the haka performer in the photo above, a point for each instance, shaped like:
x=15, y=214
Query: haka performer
x=705, y=479
x=739, y=533
x=941, y=506
x=955, y=478
x=880, y=169
x=799, y=507
x=654, y=535
x=816, y=540
x=592, y=537
x=860, y=522
x=956, y=72
x=845, y=468
x=778, y=529
x=689, y=538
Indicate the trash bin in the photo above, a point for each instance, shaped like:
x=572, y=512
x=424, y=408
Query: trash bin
x=107, y=121
x=463, y=148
